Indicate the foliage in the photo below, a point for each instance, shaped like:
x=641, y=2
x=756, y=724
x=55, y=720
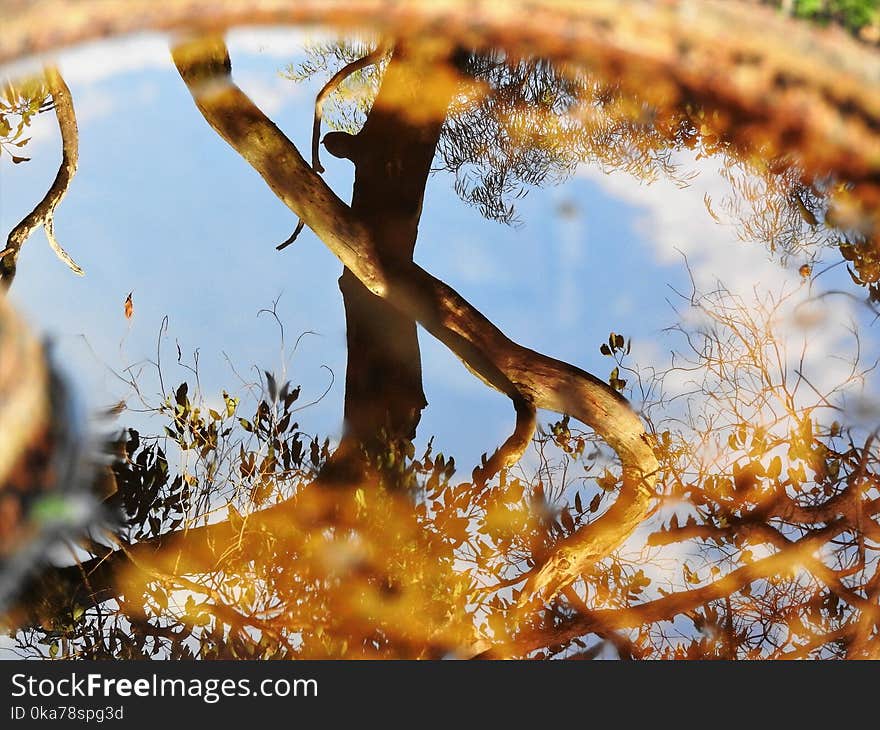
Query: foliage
x=764, y=542
x=525, y=123
x=19, y=104
x=530, y=123
x=851, y=14
x=348, y=106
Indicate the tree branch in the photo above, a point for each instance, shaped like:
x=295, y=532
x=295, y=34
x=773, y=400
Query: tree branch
x=669, y=606
x=44, y=212
x=328, y=89
x=512, y=450
x=373, y=57
x=517, y=371
x=187, y=551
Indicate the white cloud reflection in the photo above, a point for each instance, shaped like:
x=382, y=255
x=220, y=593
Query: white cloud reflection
x=672, y=223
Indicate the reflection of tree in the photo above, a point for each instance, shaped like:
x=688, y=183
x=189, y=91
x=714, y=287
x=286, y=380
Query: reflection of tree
x=787, y=561
x=43, y=213
x=531, y=380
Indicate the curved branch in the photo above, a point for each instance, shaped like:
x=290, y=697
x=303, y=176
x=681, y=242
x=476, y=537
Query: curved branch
x=44, y=212
x=185, y=551
x=517, y=371
x=328, y=89
x=373, y=57
x=764, y=533
x=293, y=236
x=512, y=450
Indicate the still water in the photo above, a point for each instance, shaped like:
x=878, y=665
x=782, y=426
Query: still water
x=366, y=494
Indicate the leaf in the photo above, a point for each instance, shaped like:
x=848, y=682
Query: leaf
x=231, y=404
x=161, y=598
x=805, y=212
x=128, y=307
x=181, y=393
x=539, y=491
x=567, y=520
x=271, y=386
x=291, y=397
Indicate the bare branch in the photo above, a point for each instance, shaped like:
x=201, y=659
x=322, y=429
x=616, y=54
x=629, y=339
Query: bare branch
x=44, y=212
x=512, y=450
x=293, y=236
x=371, y=58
